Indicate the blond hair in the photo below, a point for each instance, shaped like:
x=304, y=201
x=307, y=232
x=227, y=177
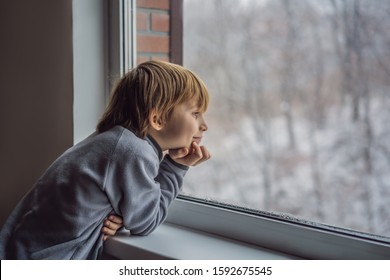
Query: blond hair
x=152, y=85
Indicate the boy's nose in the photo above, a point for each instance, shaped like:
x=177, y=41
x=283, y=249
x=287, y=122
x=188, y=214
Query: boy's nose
x=203, y=126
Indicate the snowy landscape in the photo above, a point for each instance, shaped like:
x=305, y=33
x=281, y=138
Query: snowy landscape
x=299, y=120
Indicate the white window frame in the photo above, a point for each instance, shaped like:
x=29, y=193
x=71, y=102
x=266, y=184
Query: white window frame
x=280, y=233
x=292, y=236
x=121, y=36
x=104, y=48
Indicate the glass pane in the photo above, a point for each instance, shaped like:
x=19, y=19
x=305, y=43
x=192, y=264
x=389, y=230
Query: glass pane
x=299, y=116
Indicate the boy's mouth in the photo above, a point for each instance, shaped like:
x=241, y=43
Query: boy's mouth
x=197, y=139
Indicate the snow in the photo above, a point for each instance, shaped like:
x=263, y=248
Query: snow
x=336, y=174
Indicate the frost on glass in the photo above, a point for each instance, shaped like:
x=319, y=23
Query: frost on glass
x=299, y=120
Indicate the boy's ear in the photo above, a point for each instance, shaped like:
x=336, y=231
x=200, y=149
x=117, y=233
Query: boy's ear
x=155, y=120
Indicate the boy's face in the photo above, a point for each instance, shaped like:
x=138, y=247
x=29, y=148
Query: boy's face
x=185, y=126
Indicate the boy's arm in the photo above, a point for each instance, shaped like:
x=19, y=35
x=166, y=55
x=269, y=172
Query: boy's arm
x=141, y=190
x=170, y=179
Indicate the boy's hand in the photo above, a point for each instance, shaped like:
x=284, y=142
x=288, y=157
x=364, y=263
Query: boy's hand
x=191, y=156
x=111, y=225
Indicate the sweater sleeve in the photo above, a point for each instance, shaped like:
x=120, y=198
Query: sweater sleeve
x=140, y=189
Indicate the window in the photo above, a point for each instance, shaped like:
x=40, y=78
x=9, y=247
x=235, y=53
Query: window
x=288, y=121
x=299, y=107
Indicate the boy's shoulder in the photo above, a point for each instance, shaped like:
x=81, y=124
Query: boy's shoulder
x=117, y=135
x=127, y=143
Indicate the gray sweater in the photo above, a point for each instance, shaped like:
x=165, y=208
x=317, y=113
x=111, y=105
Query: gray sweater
x=111, y=172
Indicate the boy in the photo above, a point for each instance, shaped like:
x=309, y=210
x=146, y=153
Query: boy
x=118, y=170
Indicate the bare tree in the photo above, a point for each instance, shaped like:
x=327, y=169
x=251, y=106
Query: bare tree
x=315, y=116
x=363, y=92
x=256, y=55
x=287, y=83
x=343, y=39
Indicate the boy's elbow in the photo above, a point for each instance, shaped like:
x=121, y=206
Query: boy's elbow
x=144, y=231
x=148, y=225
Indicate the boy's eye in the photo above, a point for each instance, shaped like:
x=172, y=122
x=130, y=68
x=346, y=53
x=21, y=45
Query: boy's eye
x=196, y=114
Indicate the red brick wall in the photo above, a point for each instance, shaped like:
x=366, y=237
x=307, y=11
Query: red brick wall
x=153, y=30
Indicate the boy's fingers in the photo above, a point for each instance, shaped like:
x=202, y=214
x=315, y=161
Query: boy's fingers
x=205, y=155
x=112, y=225
x=116, y=219
x=190, y=156
x=195, y=156
x=198, y=150
x=108, y=231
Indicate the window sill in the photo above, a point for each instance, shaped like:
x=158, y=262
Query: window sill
x=171, y=241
